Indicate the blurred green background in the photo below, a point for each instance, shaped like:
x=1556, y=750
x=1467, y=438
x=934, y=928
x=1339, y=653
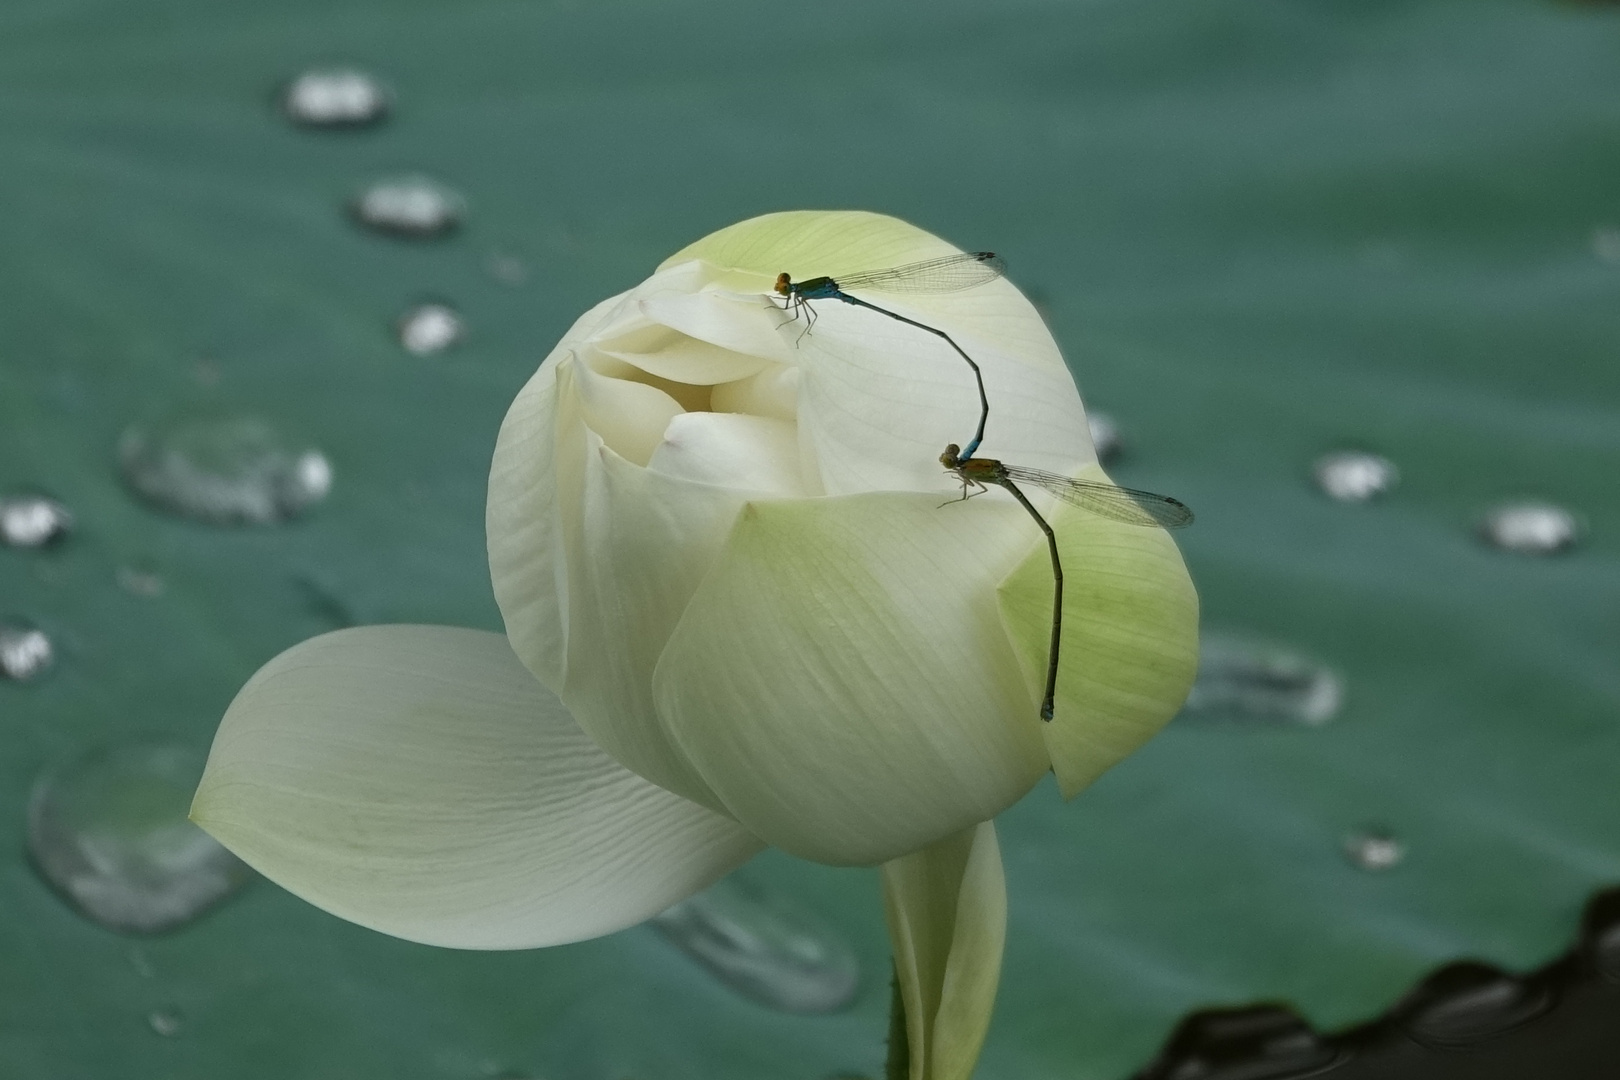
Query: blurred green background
x=1260, y=230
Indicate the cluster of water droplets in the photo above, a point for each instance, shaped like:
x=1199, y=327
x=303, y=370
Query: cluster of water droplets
x=109, y=831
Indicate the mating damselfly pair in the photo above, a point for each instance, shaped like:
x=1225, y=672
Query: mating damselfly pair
x=953, y=273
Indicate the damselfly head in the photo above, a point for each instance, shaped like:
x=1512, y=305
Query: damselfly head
x=951, y=458
x=782, y=281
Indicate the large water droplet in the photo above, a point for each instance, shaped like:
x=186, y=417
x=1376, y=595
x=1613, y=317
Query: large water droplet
x=1250, y=681
x=25, y=652
x=1262, y=1042
x=764, y=946
x=335, y=97
x=410, y=206
x=1530, y=528
x=1354, y=475
x=33, y=520
x=430, y=328
x=1465, y=1002
x=109, y=832
x=1105, y=436
x=1374, y=849
x=223, y=470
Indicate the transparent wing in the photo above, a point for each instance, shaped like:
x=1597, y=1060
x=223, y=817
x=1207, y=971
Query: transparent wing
x=1129, y=505
x=951, y=273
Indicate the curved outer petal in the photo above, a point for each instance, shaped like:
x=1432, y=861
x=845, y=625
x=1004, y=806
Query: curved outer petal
x=521, y=526
x=1130, y=637
x=947, y=915
x=418, y=781
x=841, y=678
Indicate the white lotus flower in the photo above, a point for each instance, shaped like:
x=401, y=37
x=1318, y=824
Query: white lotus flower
x=741, y=608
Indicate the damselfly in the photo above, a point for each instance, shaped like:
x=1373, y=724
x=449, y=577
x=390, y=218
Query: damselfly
x=950, y=273
x=1105, y=500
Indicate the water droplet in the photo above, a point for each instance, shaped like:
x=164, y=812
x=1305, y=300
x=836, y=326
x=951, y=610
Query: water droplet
x=764, y=946
x=1105, y=436
x=1374, y=849
x=430, y=328
x=140, y=579
x=223, y=470
x=1606, y=245
x=1261, y=1042
x=506, y=268
x=1530, y=528
x=25, y=652
x=1462, y=1003
x=335, y=97
x=1249, y=681
x=109, y=833
x=32, y=520
x=141, y=962
x=166, y=1021
x=1354, y=475
x=410, y=206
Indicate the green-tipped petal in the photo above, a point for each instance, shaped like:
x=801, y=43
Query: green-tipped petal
x=1130, y=637
x=417, y=780
x=810, y=242
x=947, y=915
x=841, y=679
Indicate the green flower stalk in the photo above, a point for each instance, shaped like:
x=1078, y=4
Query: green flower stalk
x=740, y=610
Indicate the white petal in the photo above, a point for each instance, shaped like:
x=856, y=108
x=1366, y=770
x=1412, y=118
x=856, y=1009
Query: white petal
x=749, y=453
x=774, y=392
x=521, y=524
x=636, y=543
x=417, y=780
x=881, y=398
x=842, y=680
x=630, y=417
x=672, y=355
x=947, y=915
x=738, y=324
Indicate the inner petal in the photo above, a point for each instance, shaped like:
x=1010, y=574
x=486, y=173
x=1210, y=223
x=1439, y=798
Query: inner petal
x=772, y=392
x=734, y=450
x=630, y=417
x=741, y=324
x=670, y=354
